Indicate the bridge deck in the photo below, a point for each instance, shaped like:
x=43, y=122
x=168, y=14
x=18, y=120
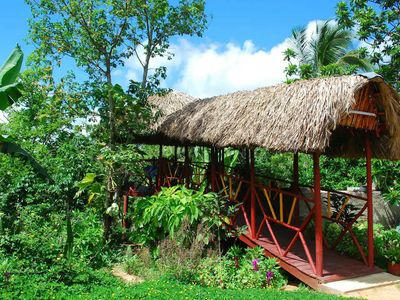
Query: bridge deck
x=336, y=266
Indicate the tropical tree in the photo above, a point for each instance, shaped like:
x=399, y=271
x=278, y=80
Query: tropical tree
x=324, y=51
x=100, y=35
x=377, y=24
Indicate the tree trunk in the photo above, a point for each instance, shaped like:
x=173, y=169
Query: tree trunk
x=146, y=70
x=112, y=141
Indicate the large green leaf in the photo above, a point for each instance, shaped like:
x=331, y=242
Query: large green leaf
x=10, y=70
x=9, y=147
x=9, y=94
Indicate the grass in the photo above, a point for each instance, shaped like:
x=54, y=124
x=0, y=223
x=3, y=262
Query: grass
x=105, y=286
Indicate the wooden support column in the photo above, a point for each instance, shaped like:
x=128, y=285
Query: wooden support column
x=295, y=187
x=125, y=198
x=319, y=255
x=370, y=215
x=186, y=167
x=253, y=215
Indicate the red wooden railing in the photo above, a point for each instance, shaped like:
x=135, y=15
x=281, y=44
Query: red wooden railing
x=276, y=205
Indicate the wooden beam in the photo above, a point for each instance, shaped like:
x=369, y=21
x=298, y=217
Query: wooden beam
x=319, y=255
x=370, y=216
x=253, y=215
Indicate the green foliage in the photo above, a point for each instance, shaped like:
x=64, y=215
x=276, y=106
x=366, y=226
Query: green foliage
x=347, y=246
x=377, y=23
x=162, y=214
x=347, y=214
x=104, y=286
x=10, y=87
x=239, y=271
x=391, y=245
x=326, y=53
x=386, y=174
x=39, y=238
x=336, y=173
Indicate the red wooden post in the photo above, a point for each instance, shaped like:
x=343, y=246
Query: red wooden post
x=253, y=198
x=186, y=167
x=319, y=255
x=125, y=197
x=295, y=186
x=370, y=215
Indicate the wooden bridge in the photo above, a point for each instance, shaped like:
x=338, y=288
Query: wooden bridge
x=354, y=116
x=280, y=217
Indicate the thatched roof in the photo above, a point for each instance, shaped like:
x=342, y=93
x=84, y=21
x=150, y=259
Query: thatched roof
x=304, y=116
x=164, y=105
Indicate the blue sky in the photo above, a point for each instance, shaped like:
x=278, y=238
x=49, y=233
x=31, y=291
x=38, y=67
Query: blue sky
x=243, y=37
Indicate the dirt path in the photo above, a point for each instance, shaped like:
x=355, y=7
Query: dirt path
x=118, y=271
x=390, y=292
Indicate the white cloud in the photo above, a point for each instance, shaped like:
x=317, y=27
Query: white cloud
x=211, y=69
x=207, y=70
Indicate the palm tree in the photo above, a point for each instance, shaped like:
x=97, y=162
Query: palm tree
x=329, y=45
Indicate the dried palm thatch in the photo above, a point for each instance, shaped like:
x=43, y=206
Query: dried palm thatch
x=303, y=116
x=164, y=105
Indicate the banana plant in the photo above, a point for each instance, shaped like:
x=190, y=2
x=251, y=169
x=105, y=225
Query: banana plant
x=10, y=92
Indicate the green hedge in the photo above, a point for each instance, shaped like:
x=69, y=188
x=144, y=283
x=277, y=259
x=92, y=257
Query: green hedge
x=108, y=287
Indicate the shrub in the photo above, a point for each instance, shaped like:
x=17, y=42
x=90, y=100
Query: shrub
x=37, y=245
x=161, y=215
x=347, y=246
x=238, y=271
x=391, y=245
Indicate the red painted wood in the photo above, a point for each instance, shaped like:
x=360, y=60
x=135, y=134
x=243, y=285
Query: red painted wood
x=125, y=197
x=318, y=217
x=347, y=226
x=271, y=232
x=336, y=266
x=252, y=196
x=370, y=215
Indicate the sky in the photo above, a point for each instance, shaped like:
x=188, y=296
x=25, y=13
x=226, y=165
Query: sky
x=241, y=49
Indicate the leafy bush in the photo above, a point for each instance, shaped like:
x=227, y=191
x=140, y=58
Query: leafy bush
x=156, y=217
x=347, y=246
x=37, y=245
x=391, y=245
x=238, y=271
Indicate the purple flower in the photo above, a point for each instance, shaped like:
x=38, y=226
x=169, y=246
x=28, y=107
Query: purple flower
x=269, y=276
x=255, y=264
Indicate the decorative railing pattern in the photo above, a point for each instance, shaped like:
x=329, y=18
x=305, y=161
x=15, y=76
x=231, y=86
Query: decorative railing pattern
x=275, y=205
